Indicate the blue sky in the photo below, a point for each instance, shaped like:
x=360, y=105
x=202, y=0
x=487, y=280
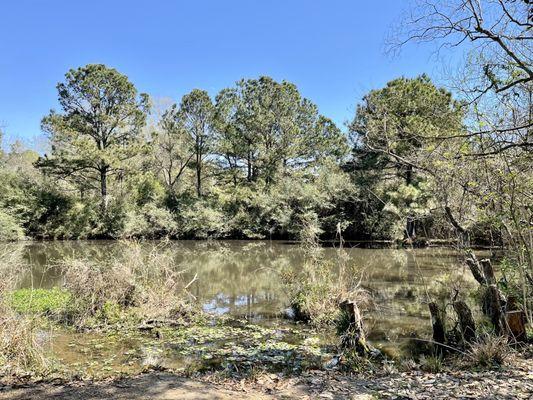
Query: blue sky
x=333, y=50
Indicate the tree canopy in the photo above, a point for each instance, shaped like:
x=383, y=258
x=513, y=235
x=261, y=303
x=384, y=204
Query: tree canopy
x=99, y=128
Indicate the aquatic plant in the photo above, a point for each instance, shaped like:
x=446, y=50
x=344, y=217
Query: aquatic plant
x=40, y=301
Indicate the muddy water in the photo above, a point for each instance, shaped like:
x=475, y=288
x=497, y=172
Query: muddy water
x=242, y=279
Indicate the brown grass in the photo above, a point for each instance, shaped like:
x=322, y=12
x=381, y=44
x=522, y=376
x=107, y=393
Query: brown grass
x=489, y=351
x=143, y=280
x=20, y=351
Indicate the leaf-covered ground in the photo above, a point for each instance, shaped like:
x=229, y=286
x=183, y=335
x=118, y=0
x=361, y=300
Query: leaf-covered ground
x=514, y=381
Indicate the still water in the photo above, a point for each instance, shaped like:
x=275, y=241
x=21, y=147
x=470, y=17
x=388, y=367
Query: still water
x=242, y=278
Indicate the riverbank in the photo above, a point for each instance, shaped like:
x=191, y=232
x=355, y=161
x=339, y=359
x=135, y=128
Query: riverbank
x=513, y=381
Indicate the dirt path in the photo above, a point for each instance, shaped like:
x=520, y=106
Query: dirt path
x=150, y=386
x=504, y=384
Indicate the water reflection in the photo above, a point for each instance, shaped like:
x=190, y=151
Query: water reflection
x=243, y=278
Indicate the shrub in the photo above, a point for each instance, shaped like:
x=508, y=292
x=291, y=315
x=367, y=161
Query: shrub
x=10, y=229
x=320, y=286
x=142, y=285
x=150, y=222
x=202, y=220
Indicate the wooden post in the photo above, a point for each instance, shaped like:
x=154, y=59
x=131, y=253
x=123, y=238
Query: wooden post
x=516, y=325
x=466, y=321
x=515, y=320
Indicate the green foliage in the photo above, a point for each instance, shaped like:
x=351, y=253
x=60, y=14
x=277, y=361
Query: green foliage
x=10, y=228
x=259, y=161
x=202, y=220
x=99, y=131
x=40, y=301
x=150, y=221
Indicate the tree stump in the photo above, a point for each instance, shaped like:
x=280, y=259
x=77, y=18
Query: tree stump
x=466, y=321
x=488, y=272
x=494, y=308
x=515, y=319
x=354, y=335
x=475, y=269
x=516, y=325
x=437, y=322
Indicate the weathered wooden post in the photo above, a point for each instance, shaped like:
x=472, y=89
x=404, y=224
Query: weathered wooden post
x=494, y=308
x=475, y=268
x=488, y=272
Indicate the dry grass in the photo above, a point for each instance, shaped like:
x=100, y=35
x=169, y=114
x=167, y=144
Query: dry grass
x=20, y=351
x=431, y=363
x=143, y=280
x=321, y=285
x=489, y=351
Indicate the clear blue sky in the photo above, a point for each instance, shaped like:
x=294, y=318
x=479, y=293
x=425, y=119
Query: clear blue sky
x=333, y=50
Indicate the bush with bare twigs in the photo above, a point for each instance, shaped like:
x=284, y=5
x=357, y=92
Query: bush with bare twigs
x=145, y=284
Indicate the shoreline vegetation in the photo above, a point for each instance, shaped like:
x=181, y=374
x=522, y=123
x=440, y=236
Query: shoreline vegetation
x=259, y=161
x=117, y=303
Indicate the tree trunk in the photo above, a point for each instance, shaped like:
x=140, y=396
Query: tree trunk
x=103, y=189
x=410, y=228
x=249, y=166
x=410, y=232
x=466, y=321
x=198, y=178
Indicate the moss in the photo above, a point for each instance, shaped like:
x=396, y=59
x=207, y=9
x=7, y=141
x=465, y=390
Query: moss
x=40, y=301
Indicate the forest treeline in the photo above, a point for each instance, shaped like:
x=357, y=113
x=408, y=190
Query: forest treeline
x=259, y=161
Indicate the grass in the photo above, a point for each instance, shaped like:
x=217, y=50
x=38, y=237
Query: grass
x=20, y=351
x=320, y=286
x=489, y=351
x=431, y=363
